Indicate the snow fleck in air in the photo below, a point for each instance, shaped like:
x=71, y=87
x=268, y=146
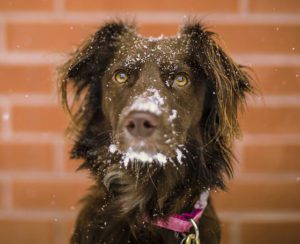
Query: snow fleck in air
x=6, y=116
x=173, y=115
x=179, y=155
x=144, y=157
x=112, y=148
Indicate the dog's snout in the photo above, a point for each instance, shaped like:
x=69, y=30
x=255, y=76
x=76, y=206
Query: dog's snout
x=141, y=124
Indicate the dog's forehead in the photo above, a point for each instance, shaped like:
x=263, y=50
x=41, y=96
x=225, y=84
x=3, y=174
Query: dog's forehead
x=161, y=50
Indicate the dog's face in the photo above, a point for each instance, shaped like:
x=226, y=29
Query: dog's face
x=153, y=99
x=170, y=103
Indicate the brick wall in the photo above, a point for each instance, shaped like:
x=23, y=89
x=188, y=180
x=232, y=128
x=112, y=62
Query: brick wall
x=38, y=186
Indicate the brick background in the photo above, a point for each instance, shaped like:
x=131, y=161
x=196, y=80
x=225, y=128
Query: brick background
x=39, y=188
x=29, y=231
x=25, y=78
x=26, y=156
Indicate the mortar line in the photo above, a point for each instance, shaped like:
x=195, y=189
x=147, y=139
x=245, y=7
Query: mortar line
x=243, y=6
x=260, y=216
x=271, y=139
x=6, y=119
x=234, y=231
x=7, y=193
x=58, y=6
x=59, y=147
x=2, y=36
x=37, y=215
x=249, y=59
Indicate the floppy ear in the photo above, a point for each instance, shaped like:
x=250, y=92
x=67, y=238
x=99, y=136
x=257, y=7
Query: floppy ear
x=228, y=84
x=84, y=72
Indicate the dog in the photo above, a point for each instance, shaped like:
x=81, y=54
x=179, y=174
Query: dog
x=153, y=120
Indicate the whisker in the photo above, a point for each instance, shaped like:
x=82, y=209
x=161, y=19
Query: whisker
x=150, y=177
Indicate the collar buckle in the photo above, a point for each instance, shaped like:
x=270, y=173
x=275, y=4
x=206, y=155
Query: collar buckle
x=191, y=239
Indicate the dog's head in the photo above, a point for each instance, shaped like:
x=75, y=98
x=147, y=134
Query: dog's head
x=166, y=103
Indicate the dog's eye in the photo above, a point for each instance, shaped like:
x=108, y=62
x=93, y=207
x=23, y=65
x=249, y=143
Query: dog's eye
x=120, y=76
x=181, y=80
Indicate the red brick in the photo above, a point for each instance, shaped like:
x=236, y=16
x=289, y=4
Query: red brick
x=270, y=232
x=243, y=38
x=259, y=196
x=154, y=5
x=271, y=120
x=281, y=80
x=56, y=194
x=39, y=119
x=26, y=157
x=22, y=231
x=271, y=158
x=28, y=5
x=46, y=36
x=26, y=79
x=278, y=6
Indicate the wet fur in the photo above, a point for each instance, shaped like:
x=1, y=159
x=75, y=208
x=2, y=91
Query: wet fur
x=124, y=200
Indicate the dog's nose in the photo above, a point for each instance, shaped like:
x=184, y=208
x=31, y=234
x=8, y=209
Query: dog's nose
x=141, y=124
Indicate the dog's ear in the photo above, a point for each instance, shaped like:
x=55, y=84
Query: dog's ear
x=84, y=71
x=227, y=83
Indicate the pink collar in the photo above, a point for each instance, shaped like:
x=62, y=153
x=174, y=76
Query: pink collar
x=181, y=222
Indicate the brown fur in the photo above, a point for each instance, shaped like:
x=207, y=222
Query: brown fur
x=117, y=207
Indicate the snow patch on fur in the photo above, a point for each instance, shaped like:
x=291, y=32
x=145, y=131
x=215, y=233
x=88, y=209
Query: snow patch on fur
x=150, y=103
x=144, y=157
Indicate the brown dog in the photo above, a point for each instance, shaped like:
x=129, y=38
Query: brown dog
x=154, y=121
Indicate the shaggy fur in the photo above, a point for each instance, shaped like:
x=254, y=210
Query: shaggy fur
x=128, y=196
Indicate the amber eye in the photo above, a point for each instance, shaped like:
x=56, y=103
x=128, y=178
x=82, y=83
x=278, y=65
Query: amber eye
x=181, y=80
x=120, y=76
